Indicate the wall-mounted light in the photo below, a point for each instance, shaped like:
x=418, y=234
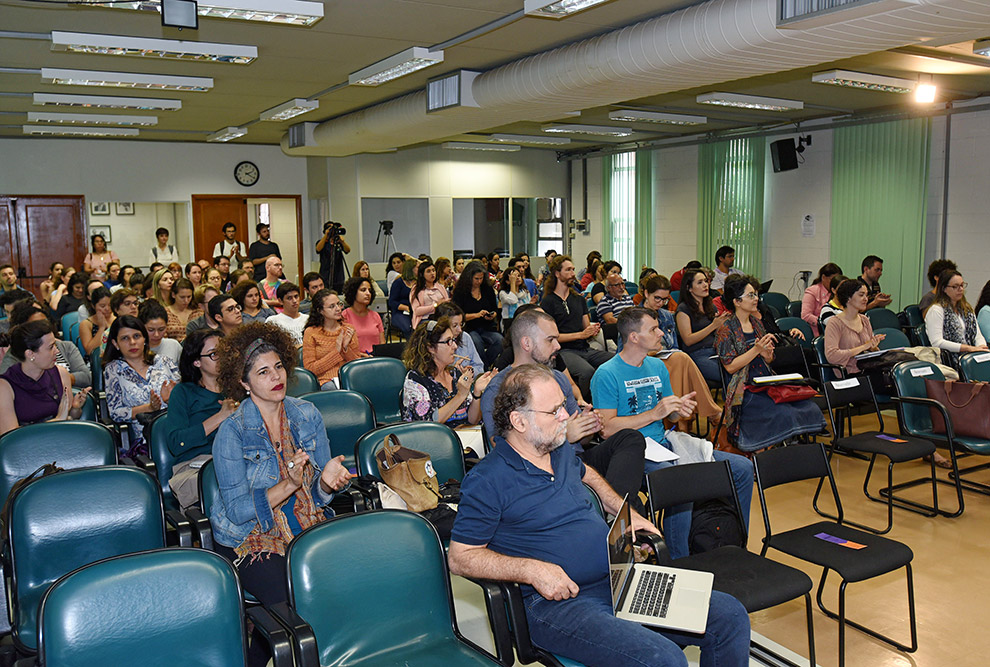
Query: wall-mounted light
x=925, y=91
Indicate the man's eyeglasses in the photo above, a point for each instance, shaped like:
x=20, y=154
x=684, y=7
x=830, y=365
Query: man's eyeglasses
x=553, y=413
x=233, y=308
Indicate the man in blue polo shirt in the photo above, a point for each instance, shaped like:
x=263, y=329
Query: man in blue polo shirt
x=632, y=390
x=525, y=517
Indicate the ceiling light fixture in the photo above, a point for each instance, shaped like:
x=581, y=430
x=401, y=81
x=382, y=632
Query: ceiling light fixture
x=558, y=9
x=79, y=77
x=471, y=146
x=886, y=84
x=982, y=47
x=632, y=116
x=55, y=131
x=89, y=119
x=594, y=130
x=289, y=12
x=290, y=109
x=106, y=102
x=924, y=93
x=394, y=67
x=749, y=102
x=119, y=45
x=227, y=134
x=530, y=139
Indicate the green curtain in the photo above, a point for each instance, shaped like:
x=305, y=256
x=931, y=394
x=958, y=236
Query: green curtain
x=643, y=221
x=879, y=193
x=627, y=210
x=730, y=201
x=607, y=235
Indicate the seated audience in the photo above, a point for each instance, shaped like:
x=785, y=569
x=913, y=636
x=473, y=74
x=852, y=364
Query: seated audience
x=552, y=543
x=832, y=307
x=67, y=355
x=59, y=289
x=426, y=293
x=327, y=343
x=312, y=283
x=983, y=311
x=248, y=297
x=677, y=278
x=817, y=295
x=466, y=352
x=872, y=270
x=593, y=256
x=113, y=275
x=615, y=300
x=512, y=294
x=398, y=298
x=640, y=294
x=93, y=329
x=36, y=389
x=137, y=381
x=594, y=274
x=363, y=270
x=951, y=322
x=435, y=389
x=395, y=262
x=201, y=301
x=194, y=274
x=50, y=284
x=72, y=298
x=124, y=302
x=161, y=286
x=175, y=269
x=745, y=350
x=850, y=333
x=476, y=297
x=269, y=285
x=238, y=276
x=697, y=323
x=215, y=278
x=725, y=257
x=290, y=318
x=368, y=324
x=196, y=409
x=548, y=256
x=935, y=269
x=224, y=312
x=155, y=319
x=180, y=311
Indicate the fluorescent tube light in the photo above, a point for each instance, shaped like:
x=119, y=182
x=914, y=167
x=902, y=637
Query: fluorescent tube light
x=119, y=45
x=80, y=77
x=749, y=102
x=290, y=109
x=394, y=67
x=886, y=84
x=89, y=119
x=227, y=134
x=594, y=130
x=56, y=131
x=558, y=9
x=471, y=146
x=290, y=12
x=106, y=102
x=632, y=116
x=982, y=47
x=530, y=139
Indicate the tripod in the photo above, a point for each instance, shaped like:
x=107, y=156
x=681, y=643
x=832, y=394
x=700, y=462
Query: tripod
x=385, y=226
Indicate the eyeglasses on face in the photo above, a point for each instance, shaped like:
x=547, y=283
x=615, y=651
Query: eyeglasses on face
x=555, y=412
x=210, y=355
x=959, y=286
x=447, y=341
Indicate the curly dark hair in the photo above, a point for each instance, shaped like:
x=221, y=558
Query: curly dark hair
x=192, y=349
x=418, y=354
x=316, y=317
x=233, y=365
x=352, y=286
x=514, y=393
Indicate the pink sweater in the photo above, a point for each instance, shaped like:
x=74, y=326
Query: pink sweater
x=814, y=298
x=840, y=341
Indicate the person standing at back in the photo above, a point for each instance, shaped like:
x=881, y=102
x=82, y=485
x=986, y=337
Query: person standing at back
x=229, y=246
x=162, y=252
x=262, y=249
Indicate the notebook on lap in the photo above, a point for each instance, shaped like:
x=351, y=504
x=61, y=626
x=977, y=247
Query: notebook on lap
x=664, y=597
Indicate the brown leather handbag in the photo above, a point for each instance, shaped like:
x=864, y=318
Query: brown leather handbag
x=968, y=405
x=409, y=473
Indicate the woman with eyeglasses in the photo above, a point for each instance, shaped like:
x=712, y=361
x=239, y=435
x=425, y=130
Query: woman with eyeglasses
x=435, y=389
x=328, y=344
x=196, y=410
x=746, y=350
x=950, y=321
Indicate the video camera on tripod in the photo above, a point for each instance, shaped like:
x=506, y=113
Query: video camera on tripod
x=335, y=228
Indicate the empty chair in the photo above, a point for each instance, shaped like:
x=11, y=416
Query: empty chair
x=347, y=416
x=894, y=338
x=63, y=521
x=395, y=608
x=794, y=309
x=883, y=318
x=822, y=543
x=777, y=301
x=916, y=324
x=380, y=379
x=975, y=366
x=67, y=321
x=301, y=381
x=788, y=323
x=163, y=607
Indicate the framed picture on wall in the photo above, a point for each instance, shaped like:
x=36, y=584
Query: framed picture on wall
x=124, y=208
x=99, y=208
x=102, y=230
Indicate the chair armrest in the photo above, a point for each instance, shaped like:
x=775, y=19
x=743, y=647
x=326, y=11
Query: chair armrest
x=369, y=494
x=278, y=637
x=146, y=463
x=931, y=403
x=180, y=523
x=498, y=619
x=304, y=640
x=201, y=527
x=841, y=370
x=659, y=546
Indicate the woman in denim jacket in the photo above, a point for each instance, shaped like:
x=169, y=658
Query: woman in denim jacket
x=272, y=460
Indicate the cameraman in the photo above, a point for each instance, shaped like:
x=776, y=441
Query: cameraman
x=332, y=247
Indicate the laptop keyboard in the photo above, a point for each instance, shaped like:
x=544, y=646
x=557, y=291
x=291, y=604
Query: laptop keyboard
x=652, y=595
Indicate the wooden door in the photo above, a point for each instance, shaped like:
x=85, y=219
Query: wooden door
x=210, y=214
x=36, y=231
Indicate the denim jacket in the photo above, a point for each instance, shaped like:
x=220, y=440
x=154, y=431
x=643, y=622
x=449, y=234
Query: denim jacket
x=246, y=467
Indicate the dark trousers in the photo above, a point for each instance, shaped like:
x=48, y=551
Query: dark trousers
x=619, y=459
x=582, y=365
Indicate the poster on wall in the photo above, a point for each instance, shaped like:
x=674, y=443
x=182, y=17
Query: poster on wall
x=124, y=208
x=99, y=208
x=102, y=230
x=808, y=226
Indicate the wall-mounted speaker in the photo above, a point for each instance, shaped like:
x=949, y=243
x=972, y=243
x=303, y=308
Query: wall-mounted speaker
x=784, y=155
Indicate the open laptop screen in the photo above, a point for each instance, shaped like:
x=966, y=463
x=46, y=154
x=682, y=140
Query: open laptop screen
x=620, y=551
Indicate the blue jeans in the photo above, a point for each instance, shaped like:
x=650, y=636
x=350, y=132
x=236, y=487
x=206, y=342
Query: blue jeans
x=585, y=629
x=710, y=368
x=488, y=344
x=677, y=520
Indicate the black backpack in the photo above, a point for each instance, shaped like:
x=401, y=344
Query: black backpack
x=714, y=524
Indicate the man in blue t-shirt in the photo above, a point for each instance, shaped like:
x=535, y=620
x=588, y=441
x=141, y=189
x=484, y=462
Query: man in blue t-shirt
x=632, y=390
x=525, y=517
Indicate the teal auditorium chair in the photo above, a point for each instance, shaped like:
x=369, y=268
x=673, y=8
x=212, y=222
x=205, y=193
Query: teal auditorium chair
x=89, y=412
x=975, y=366
x=777, y=301
x=395, y=607
x=916, y=326
x=160, y=607
x=67, y=321
x=380, y=380
x=437, y=440
x=914, y=411
x=73, y=518
x=794, y=309
x=883, y=318
x=893, y=338
x=159, y=465
x=788, y=323
x=347, y=415
x=301, y=381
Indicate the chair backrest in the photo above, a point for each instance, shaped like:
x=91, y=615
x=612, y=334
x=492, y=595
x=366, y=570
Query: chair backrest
x=181, y=606
x=823, y=319
x=61, y=522
x=850, y=391
x=400, y=598
x=301, y=382
x=88, y=408
x=914, y=316
x=883, y=318
x=347, y=415
x=209, y=488
x=776, y=301
x=96, y=367
x=693, y=483
x=894, y=338
x=676, y=295
x=794, y=309
x=67, y=321
x=909, y=379
x=437, y=440
x=160, y=454
x=631, y=287
x=788, y=323
x=975, y=366
x=75, y=338
x=790, y=464
x=69, y=444
x=380, y=379
x=827, y=374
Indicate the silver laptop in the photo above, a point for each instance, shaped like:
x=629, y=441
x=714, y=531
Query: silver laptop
x=665, y=597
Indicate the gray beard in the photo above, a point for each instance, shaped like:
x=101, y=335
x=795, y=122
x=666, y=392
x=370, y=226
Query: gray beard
x=547, y=447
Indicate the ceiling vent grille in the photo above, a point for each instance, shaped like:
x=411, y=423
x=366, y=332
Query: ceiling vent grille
x=805, y=14
x=450, y=90
x=301, y=135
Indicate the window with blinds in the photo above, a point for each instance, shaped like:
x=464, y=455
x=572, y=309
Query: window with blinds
x=622, y=211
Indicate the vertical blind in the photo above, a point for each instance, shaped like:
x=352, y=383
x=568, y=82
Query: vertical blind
x=879, y=198
x=730, y=201
x=627, y=202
